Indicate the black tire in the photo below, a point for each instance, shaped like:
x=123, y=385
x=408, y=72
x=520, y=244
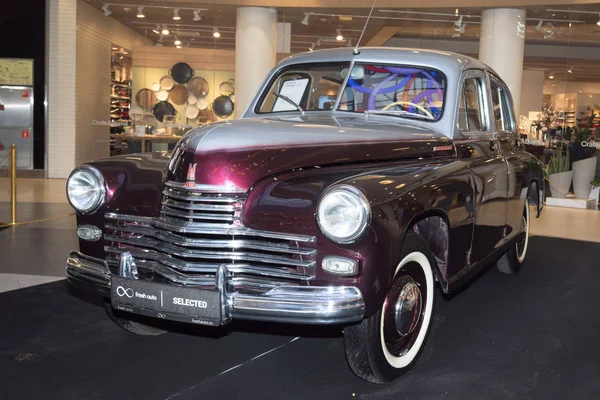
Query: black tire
x=380, y=352
x=512, y=261
x=120, y=318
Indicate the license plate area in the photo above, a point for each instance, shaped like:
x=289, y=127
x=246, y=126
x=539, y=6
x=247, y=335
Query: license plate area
x=172, y=302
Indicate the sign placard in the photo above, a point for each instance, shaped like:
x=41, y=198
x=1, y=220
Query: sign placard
x=16, y=71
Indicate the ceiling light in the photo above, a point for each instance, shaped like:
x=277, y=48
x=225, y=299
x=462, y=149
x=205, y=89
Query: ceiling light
x=140, y=13
x=538, y=27
x=305, y=20
x=176, y=16
x=339, y=36
x=459, y=22
x=570, y=70
x=178, y=46
x=164, y=31
x=115, y=48
x=177, y=41
x=551, y=76
x=312, y=47
x=107, y=12
x=216, y=33
x=598, y=23
x=456, y=12
x=197, y=16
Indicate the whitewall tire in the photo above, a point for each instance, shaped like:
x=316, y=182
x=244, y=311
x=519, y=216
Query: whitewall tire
x=388, y=343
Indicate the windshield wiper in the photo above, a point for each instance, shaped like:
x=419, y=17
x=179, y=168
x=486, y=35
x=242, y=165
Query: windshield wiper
x=399, y=113
x=281, y=96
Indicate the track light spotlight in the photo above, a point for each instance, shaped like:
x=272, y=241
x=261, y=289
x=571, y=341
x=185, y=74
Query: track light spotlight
x=339, y=36
x=305, y=19
x=459, y=22
x=157, y=29
x=538, y=27
x=178, y=46
x=598, y=23
x=197, y=16
x=216, y=33
x=570, y=70
x=177, y=41
x=312, y=47
x=107, y=12
x=318, y=42
x=140, y=12
x=176, y=16
x=165, y=30
x=551, y=76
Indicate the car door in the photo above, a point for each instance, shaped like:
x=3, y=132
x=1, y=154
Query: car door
x=477, y=146
x=503, y=121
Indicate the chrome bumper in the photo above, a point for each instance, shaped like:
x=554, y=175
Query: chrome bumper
x=286, y=303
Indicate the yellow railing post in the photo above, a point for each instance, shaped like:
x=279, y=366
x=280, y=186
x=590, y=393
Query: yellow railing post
x=13, y=184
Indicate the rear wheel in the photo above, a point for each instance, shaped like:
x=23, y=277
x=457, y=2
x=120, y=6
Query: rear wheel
x=130, y=323
x=387, y=344
x=512, y=261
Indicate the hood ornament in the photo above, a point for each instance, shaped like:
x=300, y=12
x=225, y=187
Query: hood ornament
x=191, y=176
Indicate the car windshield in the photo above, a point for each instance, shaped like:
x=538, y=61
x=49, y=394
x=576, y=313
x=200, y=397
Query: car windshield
x=396, y=90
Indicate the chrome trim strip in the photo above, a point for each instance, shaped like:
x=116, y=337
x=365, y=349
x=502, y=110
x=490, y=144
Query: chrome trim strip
x=129, y=218
x=213, y=229
x=160, y=248
x=205, y=188
x=181, y=195
x=282, y=303
x=168, y=202
x=196, y=215
x=183, y=241
x=176, y=270
x=222, y=229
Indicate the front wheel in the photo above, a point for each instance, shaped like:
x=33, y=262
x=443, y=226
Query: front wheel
x=512, y=261
x=387, y=344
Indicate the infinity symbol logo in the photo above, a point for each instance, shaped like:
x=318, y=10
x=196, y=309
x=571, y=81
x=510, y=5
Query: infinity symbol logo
x=121, y=291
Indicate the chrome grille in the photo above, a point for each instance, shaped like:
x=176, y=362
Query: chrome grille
x=199, y=230
x=203, y=203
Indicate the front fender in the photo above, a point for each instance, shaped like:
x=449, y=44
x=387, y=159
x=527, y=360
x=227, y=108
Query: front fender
x=398, y=194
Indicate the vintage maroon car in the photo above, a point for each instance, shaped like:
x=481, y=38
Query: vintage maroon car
x=355, y=184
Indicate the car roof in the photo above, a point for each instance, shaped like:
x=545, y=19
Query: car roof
x=447, y=62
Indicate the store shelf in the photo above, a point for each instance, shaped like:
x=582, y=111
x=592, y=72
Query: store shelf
x=121, y=85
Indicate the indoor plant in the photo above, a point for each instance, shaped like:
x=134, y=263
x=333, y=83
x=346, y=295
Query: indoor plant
x=558, y=173
x=582, y=155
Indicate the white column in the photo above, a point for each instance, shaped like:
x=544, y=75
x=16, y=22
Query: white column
x=60, y=79
x=532, y=93
x=502, y=46
x=255, y=52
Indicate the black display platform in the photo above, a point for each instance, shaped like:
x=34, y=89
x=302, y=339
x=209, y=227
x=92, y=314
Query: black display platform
x=533, y=335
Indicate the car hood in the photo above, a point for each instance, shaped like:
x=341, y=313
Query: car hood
x=240, y=152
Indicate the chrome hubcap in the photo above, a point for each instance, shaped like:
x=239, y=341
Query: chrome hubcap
x=408, y=309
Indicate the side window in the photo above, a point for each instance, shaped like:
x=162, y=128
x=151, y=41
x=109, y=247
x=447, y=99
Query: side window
x=502, y=107
x=471, y=116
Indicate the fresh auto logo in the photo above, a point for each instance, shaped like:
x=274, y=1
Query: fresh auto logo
x=121, y=291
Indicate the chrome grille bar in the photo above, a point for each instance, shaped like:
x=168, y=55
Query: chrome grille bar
x=181, y=195
x=211, y=243
x=195, y=215
x=211, y=255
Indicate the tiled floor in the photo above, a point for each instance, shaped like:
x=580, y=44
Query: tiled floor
x=35, y=253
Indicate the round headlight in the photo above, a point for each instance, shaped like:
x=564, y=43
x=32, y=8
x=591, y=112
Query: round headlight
x=85, y=189
x=343, y=213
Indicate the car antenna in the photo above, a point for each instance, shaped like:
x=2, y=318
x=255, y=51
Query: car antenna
x=356, y=51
